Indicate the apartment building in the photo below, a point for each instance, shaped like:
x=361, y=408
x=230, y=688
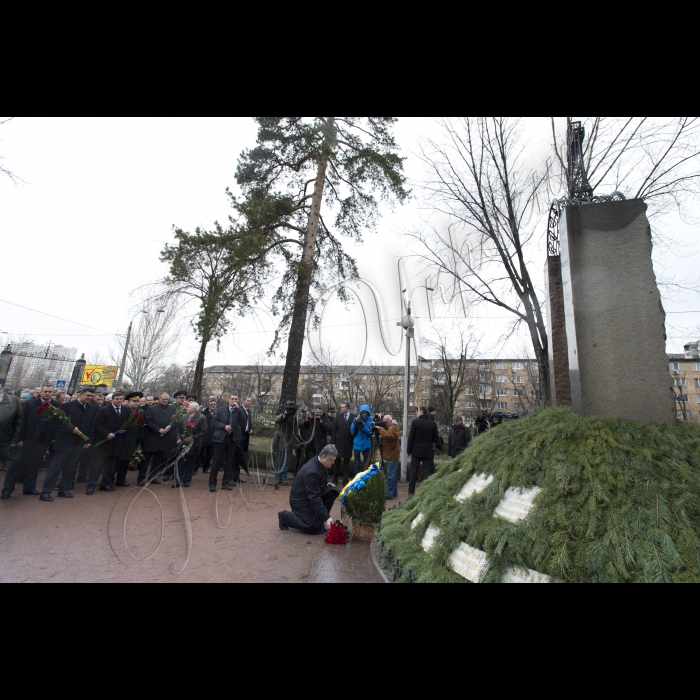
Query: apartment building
x=37, y=364
x=685, y=371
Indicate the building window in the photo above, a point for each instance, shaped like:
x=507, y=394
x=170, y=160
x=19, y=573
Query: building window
x=469, y=392
x=535, y=366
x=427, y=365
x=485, y=390
x=682, y=399
x=680, y=382
x=677, y=367
x=696, y=367
x=502, y=406
x=455, y=378
x=697, y=383
x=501, y=365
x=503, y=392
x=681, y=415
x=485, y=366
x=519, y=380
x=501, y=380
x=425, y=390
x=470, y=404
x=458, y=404
x=518, y=367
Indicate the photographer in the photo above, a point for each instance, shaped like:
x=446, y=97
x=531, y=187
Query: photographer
x=482, y=423
x=391, y=453
x=323, y=430
x=362, y=430
x=285, y=443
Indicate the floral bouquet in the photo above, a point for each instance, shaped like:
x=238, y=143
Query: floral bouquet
x=338, y=534
x=364, y=498
x=180, y=411
x=53, y=413
x=133, y=421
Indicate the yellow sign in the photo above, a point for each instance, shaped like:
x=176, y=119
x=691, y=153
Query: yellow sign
x=98, y=376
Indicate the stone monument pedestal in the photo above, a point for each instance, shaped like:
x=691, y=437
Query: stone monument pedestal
x=615, y=321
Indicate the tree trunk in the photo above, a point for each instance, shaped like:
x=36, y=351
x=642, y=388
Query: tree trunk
x=199, y=370
x=295, y=348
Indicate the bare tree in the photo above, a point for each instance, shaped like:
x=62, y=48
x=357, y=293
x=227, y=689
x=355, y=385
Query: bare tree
x=264, y=378
x=382, y=388
x=326, y=369
x=656, y=159
x=153, y=343
x=453, y=369
x=480, y=178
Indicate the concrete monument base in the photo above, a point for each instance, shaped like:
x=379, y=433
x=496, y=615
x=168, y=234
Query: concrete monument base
x=615, y=321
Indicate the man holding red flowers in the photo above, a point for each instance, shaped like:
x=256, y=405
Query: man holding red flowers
x=70, y=444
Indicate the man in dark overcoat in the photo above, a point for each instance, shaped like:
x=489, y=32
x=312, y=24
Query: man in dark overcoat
x=343, y=440
x=322, y=431
x=227, y=437
x=460, y=437
x=421, y=448
x=160, y=440
x=133, y=438
x=207, y=450
x=312, y=497
x=36, y=437
x=68, y=445
x=11, y=428
x=108, y=426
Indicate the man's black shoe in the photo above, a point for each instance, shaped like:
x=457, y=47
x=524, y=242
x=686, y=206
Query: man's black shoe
x=108, y=489
x=31, y=492
x=280, y=517
x=212, y=489
x=5, y=496
x=166, y=479
x=242, y=481
x=141, y=484
x=155, y=483
x=90, y=491
x=65, y=494
x=187, y=485
x=177, y=486
x=123, y=485
x=227, y=487
x=46, y=498
x=207, y=471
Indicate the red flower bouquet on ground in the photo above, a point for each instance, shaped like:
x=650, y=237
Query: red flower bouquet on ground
x=338, y=534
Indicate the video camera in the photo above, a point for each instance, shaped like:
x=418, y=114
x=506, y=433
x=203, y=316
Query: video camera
x=289, y=409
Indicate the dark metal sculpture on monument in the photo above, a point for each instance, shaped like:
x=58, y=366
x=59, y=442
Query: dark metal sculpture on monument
x=603, y=303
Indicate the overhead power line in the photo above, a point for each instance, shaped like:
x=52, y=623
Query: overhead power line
x=58, y=318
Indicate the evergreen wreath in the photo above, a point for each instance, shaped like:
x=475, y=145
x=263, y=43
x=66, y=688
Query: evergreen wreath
x=619, y=503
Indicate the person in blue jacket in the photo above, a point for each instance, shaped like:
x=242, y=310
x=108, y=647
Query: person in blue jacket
x=362, y=430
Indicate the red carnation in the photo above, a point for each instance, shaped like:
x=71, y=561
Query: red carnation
x=43, y=407
x=192, y=425
x=140, y=419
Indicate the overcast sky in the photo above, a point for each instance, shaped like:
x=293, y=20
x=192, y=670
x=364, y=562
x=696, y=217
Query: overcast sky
x=98, y=201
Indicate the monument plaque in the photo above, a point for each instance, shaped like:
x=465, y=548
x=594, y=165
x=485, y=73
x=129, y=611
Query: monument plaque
x=522, y=576
x=477, y=484
x=430, y=536
x=517, y=504
x=469, y=563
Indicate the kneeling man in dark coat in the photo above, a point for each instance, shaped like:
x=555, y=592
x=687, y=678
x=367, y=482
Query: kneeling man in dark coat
x=312, y=496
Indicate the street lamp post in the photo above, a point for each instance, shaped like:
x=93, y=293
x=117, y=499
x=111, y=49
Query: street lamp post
x=409, y=325
x=126, y=348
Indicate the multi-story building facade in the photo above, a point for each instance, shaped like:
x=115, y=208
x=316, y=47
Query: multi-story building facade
x=37, y=364
x=685, y=371
x=464, y=387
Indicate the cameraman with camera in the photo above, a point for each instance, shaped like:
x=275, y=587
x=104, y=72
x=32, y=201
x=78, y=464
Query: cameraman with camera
x=286, y=443
x=388, y=431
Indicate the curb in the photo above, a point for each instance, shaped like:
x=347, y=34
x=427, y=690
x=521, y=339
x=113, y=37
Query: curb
x=378, y=574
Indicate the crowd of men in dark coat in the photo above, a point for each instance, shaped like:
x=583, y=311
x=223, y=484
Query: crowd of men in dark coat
x=90, y=445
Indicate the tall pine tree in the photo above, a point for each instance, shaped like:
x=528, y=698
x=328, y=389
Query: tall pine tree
x=309, y=180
